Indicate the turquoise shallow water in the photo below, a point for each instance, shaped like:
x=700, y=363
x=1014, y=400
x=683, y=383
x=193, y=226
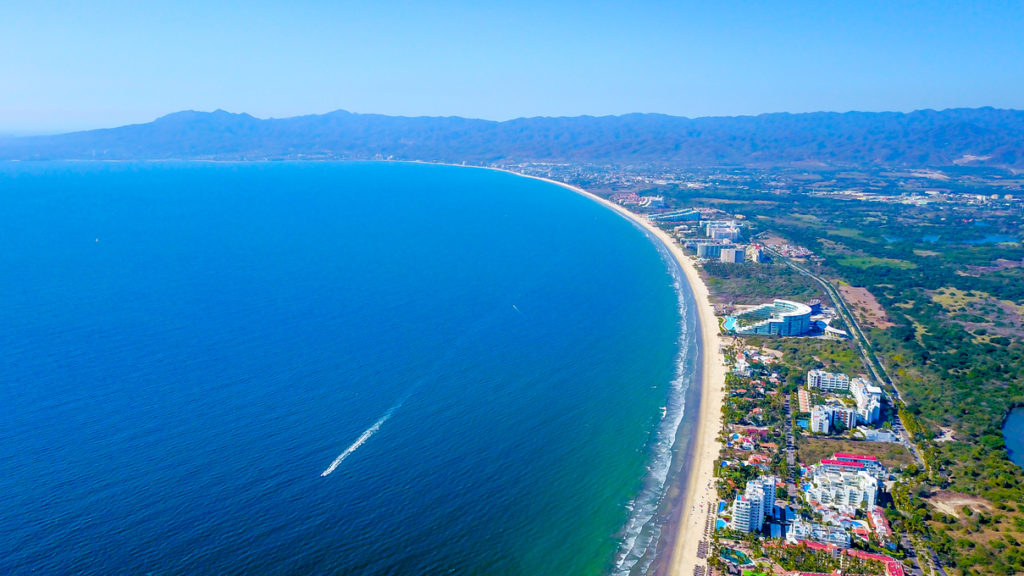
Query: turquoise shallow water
x=186, y=348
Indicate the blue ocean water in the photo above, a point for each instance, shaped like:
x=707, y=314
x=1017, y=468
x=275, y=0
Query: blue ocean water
x=309, y=368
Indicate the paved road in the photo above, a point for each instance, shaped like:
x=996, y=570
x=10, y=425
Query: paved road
x=790, y=451
x=867, y=352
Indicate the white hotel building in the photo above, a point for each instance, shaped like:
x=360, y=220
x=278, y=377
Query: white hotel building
x=842, y=489
x=750, y=508
x=828, y=381
x=869, y=400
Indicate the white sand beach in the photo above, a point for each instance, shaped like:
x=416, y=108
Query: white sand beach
x=701, y=496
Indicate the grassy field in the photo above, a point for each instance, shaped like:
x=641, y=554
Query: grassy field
x=853, y=233
x=953, y=299
x=875, y=262
x=811, y=450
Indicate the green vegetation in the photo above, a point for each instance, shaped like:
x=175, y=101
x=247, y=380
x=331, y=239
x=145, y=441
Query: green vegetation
x=804, y=559
x=955, y=350
x=892, y=456
x=854, y=233
x=873, y=261
x=751, y=283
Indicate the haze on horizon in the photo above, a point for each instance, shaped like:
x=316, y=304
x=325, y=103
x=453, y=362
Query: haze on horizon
x=103, y=64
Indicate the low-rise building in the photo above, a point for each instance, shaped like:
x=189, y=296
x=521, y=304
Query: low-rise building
x=800, y=529
x=742, y=368
x=869, y=463
x=881, y=524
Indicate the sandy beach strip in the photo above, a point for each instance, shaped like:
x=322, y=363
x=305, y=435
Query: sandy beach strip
x=701, y=495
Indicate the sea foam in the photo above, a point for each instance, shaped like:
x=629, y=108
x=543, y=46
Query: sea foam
x=643, y=529
x=363, y=438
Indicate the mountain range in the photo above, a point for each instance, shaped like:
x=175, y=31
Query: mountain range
x=924, y=138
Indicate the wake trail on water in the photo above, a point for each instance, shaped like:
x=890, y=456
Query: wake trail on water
x=363, y=438
x=373, y=429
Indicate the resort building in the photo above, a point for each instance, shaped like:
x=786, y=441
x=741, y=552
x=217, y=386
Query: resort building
x=803, y=530
x=652, y=202
x=781, y=317
x=821, y=420
x=750, y=508
x=747, y=513
x=755, y=253
x=732, y=255
x=837, y=465
x=711, y=225
x=723, y=233
x=825, y=417
x=688, y=215
x=842, y=489
x=765, y=485
x=869, y=400
x=828, y=381
x=869, y=463
x=709, y=250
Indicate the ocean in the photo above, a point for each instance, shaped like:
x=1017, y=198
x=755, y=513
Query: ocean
x=332, y=368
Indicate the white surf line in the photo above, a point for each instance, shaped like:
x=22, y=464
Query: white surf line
x=366, y=435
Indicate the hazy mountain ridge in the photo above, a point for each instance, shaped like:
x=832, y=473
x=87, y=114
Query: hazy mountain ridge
x=921, y=138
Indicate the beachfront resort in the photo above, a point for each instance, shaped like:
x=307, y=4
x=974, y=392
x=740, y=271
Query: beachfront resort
x=808, y=459
x=775, y=504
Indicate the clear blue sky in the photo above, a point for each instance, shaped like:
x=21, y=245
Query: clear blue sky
x=73, y=65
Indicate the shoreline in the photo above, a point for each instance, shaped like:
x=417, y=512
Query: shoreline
x=700, y=493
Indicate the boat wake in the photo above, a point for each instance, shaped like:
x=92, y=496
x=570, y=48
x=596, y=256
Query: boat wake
x=363, y=438
x=454, y=349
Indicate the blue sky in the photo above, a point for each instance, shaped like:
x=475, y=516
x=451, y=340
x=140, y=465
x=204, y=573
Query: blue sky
x=74, y=65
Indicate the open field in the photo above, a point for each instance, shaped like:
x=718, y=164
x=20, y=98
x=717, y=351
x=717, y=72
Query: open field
x=865, y=305
x=853, y=233
x=811, y=450
x=980, y=312
x=953, y=503
x=875, y=262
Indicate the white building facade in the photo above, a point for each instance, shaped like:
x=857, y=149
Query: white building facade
x=828, y=381
x=843, y=489
x=750, y=508
x=825, y=417
x=821, y=420
x=803, y=530
x=869, y=400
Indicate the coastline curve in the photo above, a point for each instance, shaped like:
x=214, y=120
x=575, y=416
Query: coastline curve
x=699, y=492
